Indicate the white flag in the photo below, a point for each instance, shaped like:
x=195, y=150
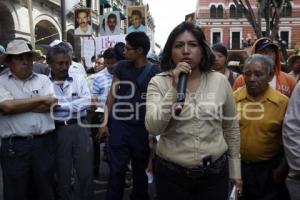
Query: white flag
x=70, y=4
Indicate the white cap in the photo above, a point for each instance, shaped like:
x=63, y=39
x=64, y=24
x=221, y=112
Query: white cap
x=54, y=43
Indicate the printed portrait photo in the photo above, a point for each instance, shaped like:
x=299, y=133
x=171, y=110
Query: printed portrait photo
x=110, y=23
x=83, y=25
x=190, y=17
x=136, y=19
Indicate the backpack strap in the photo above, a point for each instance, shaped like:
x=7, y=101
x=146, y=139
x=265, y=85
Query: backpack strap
x=144, y=74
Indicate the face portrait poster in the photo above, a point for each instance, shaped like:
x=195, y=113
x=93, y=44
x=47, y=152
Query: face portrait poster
x=136, y=19
x=110, y=23
x=83, y=25
x=190, y=17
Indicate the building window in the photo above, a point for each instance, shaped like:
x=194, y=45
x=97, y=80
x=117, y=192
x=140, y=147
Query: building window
x=235, y=12
x=88, y=3
x=287, y=10
x=239, y=12
x=213, y=12
x=220, y=12
x=216, y=37
x=232, y=11
x=284, y=36
x=235, y=40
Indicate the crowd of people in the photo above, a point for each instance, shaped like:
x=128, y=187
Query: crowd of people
x=235, y=135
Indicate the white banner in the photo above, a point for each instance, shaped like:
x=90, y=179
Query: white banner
x=105, y=42
x=88, y=46
x=102, y=43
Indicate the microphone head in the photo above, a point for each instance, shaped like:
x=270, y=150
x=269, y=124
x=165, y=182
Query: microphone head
x=178, y=108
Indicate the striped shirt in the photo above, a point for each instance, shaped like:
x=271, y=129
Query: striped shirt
x=101, y=85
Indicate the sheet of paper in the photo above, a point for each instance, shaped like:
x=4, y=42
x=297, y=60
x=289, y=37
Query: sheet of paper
x=232, y=195
x=99, y=109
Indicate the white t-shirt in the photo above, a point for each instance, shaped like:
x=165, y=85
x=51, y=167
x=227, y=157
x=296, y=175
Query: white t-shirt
x=78, y=31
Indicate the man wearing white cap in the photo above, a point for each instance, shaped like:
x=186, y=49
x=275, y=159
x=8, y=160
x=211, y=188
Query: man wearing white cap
x=27, y=151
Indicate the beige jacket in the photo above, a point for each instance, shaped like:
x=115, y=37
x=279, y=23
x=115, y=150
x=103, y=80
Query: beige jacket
x=207, y=125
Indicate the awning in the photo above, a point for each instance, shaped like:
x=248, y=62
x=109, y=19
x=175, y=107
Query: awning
x=105, y=3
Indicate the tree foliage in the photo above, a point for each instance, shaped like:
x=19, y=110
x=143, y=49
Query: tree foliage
x=269, y=10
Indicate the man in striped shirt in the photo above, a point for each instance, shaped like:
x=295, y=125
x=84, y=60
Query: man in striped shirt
x=100, y=88
x=102, y=80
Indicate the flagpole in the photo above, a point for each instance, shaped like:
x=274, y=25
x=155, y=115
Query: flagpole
x=63, y=20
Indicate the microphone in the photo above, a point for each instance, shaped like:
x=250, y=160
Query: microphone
x=181, y=92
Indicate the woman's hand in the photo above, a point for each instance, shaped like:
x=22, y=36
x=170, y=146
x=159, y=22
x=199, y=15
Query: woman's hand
x=238, y=185
x=181, y=67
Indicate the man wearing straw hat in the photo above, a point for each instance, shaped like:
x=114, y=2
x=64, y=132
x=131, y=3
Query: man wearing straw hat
x=26, y=127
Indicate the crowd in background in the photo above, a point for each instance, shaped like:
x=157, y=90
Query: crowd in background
x=234, y=132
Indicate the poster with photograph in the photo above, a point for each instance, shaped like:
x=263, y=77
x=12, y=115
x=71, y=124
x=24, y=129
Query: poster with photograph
x=136, y=19
x=83, y=25
x=110, y=23
x=190, y=17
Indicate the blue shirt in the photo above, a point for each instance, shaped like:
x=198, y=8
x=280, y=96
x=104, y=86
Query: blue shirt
x=130, y=106
x=73, y=98
x=101, y=85
x=141, y=28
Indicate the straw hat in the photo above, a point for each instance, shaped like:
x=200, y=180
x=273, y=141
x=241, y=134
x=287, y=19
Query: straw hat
x=17, y=47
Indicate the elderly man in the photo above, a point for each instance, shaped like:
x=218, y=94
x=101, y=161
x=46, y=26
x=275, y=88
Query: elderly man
x=74, y=147
x=27, y=151
x=262, y=110
x=75, y=68
x=280, y=80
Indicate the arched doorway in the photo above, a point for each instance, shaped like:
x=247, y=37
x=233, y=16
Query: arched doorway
x=7, y=30
x=45, y=33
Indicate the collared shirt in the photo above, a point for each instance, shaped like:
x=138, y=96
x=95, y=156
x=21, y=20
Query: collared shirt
x=291, y=131
x=206, y=126
x=77, y=69
x=101, y=85
x=260, y=123
x=141, y=28
x=73, y=98
x=26, y=123
x=79, y=31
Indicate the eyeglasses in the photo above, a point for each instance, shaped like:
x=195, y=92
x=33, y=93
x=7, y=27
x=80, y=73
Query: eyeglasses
x=129, y=48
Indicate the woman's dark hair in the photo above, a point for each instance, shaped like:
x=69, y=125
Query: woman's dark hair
x=220, y=48
x=207, y=55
